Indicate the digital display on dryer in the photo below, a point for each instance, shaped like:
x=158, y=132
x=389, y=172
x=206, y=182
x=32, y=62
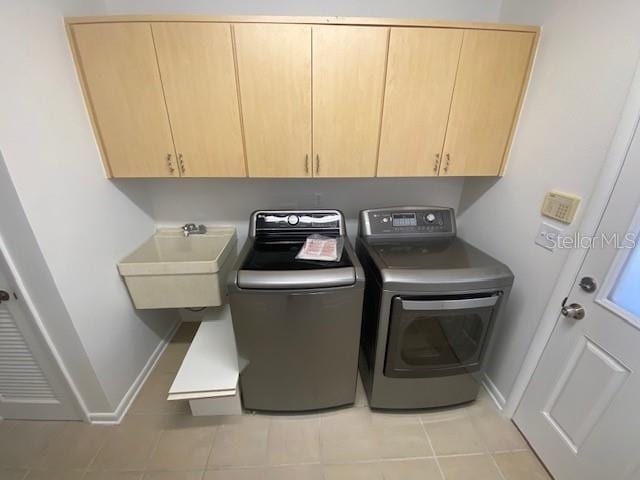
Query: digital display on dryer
x=404, y=220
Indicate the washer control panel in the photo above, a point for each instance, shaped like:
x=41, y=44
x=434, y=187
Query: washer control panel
x=330, y=221
x=408, y=222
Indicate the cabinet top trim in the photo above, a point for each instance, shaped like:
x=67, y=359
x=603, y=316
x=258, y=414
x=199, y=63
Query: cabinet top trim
x=376, y=21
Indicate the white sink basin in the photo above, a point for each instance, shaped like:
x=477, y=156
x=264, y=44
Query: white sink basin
x=173, y=271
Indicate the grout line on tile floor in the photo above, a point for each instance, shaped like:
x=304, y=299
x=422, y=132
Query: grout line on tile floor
x=320, y=454
x=266, y=447
x=236, y=467
x=485, y=444
x=213, y=441
x=293, y=464
x=456, y=455
x=154, y=449
x=513, y=450
x=350, y=462
x=493, y=459
x=378, y=460
x=87, y=467
x=433, y=450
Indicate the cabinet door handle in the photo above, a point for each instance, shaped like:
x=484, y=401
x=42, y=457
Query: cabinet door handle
x=306, y=163
x=446, y=165
x=317, y=163
x=170, y=164
x=181, y=162
x=436, y=164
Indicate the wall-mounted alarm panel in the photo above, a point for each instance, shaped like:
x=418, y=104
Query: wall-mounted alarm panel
x=560, y=206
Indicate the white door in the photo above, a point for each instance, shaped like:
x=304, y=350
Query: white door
x=31, y=384
x=581, y=410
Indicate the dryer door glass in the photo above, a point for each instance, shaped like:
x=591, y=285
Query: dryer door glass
x=437, y=336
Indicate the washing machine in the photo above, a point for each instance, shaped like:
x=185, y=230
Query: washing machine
x=296, y=321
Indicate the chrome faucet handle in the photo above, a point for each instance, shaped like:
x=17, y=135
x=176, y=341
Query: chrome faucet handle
x=189, y=228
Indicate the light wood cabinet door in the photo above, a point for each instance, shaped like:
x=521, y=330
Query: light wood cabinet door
x=421, y=73
x=491, y=77
x=274, y=73
x=199, y=81
x=122, y=84
x=348, y=82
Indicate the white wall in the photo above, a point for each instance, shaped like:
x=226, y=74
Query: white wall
x=16, y=236
x=586, y=58
x=83, y=224
x=232, y=201
x=478, y=10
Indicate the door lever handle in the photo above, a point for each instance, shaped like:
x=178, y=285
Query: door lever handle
x=573, y=310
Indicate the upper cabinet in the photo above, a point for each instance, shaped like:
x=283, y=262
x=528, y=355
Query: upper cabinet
x=274, y=74
x=163, y=97
x=348, y=83
x=490, y=82
x=123, y=88
x=288, y=105
x=298, y=97
x=451, y=101
x=199, y=81
x=421, y=74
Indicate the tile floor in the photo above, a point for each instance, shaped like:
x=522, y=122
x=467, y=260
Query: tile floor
x=160, y=440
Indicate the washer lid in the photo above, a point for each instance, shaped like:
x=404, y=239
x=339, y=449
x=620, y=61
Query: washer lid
x=271, y=264
x=278, y=253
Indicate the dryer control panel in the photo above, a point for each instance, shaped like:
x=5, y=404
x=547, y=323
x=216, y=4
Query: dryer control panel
x=408, y=222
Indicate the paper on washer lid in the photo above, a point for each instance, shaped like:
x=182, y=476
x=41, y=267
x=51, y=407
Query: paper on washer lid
x=319, y=247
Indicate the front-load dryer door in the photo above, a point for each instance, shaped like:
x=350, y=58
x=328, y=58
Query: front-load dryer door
x=437, y=336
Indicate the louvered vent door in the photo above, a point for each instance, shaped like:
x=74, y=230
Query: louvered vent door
x=31, y=384
x=21, y=378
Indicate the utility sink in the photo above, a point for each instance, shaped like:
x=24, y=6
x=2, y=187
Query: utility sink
x=170, y=270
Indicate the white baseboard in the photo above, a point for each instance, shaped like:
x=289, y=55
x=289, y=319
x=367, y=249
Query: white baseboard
x=493, y=391
x=114, y=418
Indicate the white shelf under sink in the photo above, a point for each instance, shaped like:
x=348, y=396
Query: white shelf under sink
x=208, y=376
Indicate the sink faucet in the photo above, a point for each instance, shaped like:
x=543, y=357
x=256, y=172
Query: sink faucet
x=193, y=229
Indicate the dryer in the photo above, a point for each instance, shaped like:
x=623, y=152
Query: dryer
x=431, y=304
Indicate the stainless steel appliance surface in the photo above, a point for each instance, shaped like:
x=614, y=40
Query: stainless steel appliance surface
x=431, y=303
x=297, y=322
